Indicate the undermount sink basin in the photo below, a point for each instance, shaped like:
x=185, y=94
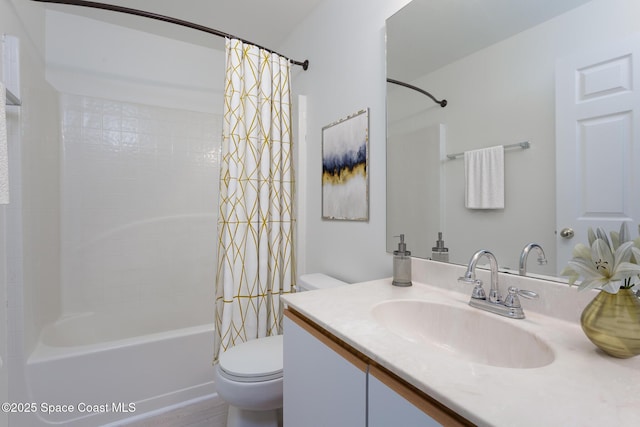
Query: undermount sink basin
x=467, y=333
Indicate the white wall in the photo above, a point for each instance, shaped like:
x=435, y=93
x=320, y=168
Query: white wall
x=345, y=45
x=120, y=63
x=344, y=42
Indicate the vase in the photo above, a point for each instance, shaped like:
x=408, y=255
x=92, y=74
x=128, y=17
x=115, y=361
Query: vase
x=612, y=323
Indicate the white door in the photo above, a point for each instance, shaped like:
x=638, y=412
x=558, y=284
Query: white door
x=597, y=143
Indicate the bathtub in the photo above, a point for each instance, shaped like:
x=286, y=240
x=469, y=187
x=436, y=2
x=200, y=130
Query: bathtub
x=94, y=369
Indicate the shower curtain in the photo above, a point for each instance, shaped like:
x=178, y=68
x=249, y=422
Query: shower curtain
x=256, y=223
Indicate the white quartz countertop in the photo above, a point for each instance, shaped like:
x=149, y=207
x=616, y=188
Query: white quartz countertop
x=582, y=387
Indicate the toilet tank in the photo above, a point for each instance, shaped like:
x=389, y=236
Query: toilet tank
x=312, y=281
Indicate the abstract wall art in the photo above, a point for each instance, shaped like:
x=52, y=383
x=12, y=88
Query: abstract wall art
x=345, y=168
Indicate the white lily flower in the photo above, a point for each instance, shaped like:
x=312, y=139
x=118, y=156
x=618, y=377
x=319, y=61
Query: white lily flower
x=604, y=269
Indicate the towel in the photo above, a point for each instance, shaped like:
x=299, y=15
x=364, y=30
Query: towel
x=484, y=176
x=4, y=161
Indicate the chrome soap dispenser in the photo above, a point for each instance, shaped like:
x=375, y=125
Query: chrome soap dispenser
x=401, y=265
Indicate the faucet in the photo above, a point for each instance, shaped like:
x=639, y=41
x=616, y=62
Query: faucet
x=542, y=259
x=470, y=275
x=510, y=306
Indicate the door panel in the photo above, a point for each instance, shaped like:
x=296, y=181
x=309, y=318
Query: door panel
x=597, y=146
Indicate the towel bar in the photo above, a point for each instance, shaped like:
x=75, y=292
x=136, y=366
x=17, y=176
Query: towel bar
x=524, y=145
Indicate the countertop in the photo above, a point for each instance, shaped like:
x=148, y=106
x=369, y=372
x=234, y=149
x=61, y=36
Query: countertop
x=582, y=387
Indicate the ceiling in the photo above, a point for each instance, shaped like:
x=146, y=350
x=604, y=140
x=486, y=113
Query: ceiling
x=263, y=22
x=459, y=26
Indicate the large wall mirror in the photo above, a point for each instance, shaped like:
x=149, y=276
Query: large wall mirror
x=495, y=62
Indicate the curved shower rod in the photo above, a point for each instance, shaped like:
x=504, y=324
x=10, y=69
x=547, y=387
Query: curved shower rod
x=151, y=15
x=442, y=103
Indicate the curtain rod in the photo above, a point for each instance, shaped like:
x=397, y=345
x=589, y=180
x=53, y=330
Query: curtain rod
x=137, y=12
x=442, y=103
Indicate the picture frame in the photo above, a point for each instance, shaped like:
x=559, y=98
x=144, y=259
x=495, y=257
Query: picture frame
x=345, y=168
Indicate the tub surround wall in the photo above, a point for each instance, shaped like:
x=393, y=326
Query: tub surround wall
x=141, y=130
x=176, y=173
x=139, y=198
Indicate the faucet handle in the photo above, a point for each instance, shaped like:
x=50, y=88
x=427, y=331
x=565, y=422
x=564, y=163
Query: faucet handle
x=512, y=299
x=478, y=290
x=468, y=277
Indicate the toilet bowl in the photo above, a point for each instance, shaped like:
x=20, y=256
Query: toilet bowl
x=249, y=376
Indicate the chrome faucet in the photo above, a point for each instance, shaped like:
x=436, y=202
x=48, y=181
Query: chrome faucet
x=510, y=307
x=470, y=275
x=542, y=259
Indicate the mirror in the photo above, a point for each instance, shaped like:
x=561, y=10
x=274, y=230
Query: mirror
x=494, y=62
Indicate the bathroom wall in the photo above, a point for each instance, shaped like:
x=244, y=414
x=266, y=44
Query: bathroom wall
x=141, y=132
x=345, y=44
x=347, y=73
x=31, y=226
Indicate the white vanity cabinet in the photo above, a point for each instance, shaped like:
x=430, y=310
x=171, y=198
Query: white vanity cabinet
x=324, y=385
x=390, y=403
x=328, y=383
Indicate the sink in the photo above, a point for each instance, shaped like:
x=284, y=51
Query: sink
x=466, y=333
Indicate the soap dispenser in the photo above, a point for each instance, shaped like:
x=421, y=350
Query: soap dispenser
x=440, y=253
x=401, y=265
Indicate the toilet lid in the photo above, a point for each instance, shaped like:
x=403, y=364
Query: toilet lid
x=255, y=360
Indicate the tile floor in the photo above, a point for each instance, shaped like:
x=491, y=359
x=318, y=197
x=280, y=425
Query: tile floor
x=208, y=413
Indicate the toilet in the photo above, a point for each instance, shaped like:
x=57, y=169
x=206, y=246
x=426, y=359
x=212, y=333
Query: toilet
x=249, y=376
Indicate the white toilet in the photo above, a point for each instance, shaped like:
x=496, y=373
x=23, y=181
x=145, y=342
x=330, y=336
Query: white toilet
x=249, y=376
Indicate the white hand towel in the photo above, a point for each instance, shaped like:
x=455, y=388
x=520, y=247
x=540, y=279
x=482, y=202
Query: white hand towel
x=4, y=161
x=484, y=175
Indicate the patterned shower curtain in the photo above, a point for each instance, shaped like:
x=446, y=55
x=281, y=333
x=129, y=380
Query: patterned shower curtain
x=256, y=223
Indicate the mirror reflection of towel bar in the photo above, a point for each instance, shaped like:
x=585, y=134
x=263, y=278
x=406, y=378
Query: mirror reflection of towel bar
x=524, y=145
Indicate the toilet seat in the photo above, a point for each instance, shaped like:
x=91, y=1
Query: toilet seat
x=253, y=361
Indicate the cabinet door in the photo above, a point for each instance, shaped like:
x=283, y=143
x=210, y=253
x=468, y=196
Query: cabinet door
x=323, y=384
x=387, y=408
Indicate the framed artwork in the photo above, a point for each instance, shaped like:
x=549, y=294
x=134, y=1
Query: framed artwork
x=345, y=168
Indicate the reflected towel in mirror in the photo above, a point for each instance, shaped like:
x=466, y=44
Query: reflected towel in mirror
x=484, y=178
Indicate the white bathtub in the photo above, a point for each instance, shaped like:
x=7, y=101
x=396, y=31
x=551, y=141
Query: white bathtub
x=106, y=367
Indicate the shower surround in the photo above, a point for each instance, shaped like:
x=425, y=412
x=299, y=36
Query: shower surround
x=139, y=199
x=112, y=226
x=139, y=189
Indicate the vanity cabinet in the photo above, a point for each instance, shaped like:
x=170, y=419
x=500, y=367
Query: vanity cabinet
x=390, y=403
x=324, y=385
x=329, y=383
